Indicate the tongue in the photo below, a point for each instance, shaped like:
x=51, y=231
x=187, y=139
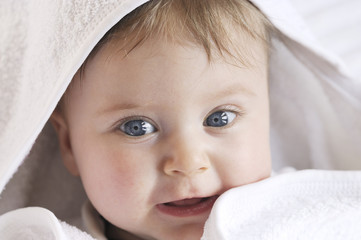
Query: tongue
x=186, y=202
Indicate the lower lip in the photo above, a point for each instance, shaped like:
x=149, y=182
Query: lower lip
x=190, y=210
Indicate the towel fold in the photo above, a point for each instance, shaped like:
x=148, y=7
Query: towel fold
x=310, y=204
x=37, y=223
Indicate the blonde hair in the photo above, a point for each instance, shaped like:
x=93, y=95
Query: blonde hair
x=208, y=23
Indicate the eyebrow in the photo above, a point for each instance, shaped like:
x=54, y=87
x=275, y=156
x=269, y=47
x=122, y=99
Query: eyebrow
x=117, y=107
x=232, y=90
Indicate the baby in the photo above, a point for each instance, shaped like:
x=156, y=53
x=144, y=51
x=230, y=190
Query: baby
x=169, y=111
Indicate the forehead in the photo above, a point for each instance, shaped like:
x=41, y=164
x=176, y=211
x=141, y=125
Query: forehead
x=175, y=55
x=162, y=71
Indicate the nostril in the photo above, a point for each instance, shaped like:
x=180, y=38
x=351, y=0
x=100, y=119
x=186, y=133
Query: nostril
x=188, y=165
x=202, y=169
x=188, y=172
x=198, y=171
x=177, y=172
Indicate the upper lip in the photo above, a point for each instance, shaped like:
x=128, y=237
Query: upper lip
x=190, y=197
x=180, y=192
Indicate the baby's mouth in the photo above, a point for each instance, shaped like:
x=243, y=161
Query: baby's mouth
x=186, y=202
x=188, y=207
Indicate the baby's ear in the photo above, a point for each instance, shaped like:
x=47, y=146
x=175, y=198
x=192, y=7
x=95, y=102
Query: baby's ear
x=61, y=127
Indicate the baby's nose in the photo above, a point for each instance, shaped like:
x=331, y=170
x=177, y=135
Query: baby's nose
x=186, y=157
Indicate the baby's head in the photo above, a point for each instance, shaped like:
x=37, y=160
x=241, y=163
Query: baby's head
x=169, y=111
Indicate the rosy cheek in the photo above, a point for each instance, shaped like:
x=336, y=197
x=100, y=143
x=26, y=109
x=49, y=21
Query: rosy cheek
x=124, y=173
x=243, y=162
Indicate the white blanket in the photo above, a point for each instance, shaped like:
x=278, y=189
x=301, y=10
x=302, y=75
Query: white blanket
x=310, y=204
x=35, y=223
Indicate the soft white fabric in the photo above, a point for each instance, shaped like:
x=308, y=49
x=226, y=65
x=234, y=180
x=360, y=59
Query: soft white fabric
x=37, y=223
x=309, y=204
x=343, y=36
x=315, y=103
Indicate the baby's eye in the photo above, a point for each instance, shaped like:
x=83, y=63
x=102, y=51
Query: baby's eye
x=220, y=119
x=137, y=128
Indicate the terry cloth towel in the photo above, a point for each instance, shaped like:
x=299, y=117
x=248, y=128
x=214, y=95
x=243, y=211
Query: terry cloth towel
x=309, y=204
x=333, y=33
x=315, y=103
x=35, y=223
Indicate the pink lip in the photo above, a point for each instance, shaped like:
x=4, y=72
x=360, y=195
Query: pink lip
x=187, y=207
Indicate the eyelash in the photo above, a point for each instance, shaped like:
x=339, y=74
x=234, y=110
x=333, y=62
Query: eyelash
x=133, y=117
x=228, y=108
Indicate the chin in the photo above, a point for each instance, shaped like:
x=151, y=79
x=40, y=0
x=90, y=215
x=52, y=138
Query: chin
x=187, y=232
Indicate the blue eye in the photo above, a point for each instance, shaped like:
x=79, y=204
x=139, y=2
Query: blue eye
x=220, y=119
x=137, y=128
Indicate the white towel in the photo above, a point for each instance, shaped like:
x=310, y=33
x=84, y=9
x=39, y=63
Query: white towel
x=343, y=36
x=310, y=204
x=35, y=223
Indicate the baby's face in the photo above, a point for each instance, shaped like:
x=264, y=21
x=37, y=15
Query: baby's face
x=158, y=135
